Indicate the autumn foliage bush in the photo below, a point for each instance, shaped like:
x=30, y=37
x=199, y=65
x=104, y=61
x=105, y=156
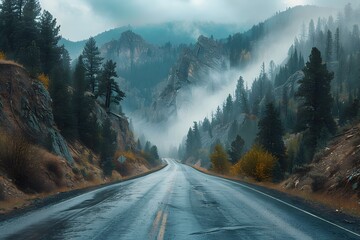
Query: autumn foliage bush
x=219, y=160
x=44, y=79
x=2, y=56
x=256, y=163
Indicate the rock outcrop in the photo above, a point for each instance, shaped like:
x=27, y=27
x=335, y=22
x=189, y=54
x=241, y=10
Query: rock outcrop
x=141, y=67
x=335, y=169
x=128, y=50
x=192, y=68
x=25, y=108
x=290, y=86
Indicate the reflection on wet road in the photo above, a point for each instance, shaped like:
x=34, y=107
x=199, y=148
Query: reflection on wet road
x=176, y=202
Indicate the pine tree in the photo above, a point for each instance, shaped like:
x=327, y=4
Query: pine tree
x=154, y=152
x=29, y=23
x=197, y=138
x=86, y=124
x=80, y=110
x=92, y=62
x=30, y=58
x=329, y=46
x=19, y=6
x=337, y=44
x=138, y=145
x=49, y=38
x=8, y=25
x=236, y=149
x=206, y=126
x=312, y=32
x=108, y=87
x=61, y=96
x=147, y=147
x=189, y=144
x=241, y=99
x=108, y=147
x=228, y=109
x=270, y=134
x=314, y=113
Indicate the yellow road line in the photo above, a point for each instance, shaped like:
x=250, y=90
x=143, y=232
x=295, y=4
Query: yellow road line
x=162, y=227
x=155, y=224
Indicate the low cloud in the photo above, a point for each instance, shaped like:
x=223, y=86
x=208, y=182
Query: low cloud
x=83, y=18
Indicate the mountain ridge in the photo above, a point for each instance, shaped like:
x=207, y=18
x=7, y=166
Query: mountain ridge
x=175, y=32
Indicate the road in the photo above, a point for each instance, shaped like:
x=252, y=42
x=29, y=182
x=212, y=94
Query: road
x=176, y=202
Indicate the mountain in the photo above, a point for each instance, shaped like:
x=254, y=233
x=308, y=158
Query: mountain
x=159, y=34
x=141, y=66
x=238, y=51
x=192, y=68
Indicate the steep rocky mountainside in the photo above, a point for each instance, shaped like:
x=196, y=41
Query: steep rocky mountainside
x=240, y=50
x=335, y=170
x=25, y=108
x=131, y=49
x=141, y=66
x=192, y=68
x=37, y=158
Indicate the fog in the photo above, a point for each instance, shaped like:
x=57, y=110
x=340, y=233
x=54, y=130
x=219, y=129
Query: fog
x=201, y=100
x=93, y=16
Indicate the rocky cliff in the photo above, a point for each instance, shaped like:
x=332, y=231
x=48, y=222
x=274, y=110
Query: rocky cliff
x=141, y=67
x=25, y=109
x=130, y=49
x=192, y=68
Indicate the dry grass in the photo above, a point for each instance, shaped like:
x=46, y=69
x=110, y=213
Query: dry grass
x=18, y=203
x=335, y=201
x=32, y=169
x=10, y=62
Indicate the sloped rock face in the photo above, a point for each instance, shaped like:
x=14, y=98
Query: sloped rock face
x=290, y=86
x=141, y=67
x=125, y=137
x=120, y=124
x=192, y=68
x=334, y=170
x=26, y=108
x=130, y=49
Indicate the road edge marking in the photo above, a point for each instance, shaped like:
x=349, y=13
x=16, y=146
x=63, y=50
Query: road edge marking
x=283, y=202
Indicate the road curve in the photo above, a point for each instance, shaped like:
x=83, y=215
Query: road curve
x=176, y=202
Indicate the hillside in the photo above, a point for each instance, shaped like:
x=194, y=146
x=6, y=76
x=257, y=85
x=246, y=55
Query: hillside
x=335, y=170
x=35, y=157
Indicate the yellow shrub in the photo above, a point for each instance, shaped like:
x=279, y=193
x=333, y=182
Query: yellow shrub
x=256, y=163
x=2, y=56
x=219, y=160
x=44, y=79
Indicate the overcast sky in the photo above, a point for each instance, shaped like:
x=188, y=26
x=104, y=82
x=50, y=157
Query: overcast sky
x=80, y=19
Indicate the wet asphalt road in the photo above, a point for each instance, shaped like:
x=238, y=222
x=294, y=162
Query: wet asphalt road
x=176, y=202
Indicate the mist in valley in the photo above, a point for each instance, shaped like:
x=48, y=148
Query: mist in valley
x=201, y=100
